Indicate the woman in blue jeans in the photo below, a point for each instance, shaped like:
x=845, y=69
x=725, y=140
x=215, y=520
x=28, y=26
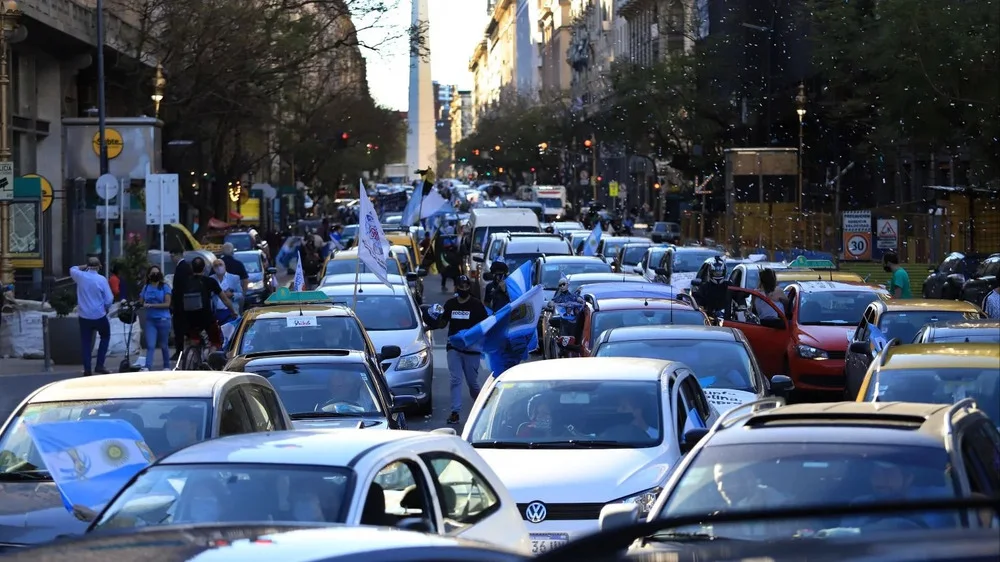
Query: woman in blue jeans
x=155, y=298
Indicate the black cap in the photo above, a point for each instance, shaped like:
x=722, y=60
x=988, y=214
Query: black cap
x=463, y=280
x=499, y=267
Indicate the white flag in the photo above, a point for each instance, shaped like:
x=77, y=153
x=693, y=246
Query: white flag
x=300, y=277
x=432, y=204
x=373, y=247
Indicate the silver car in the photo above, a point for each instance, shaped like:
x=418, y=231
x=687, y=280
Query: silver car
x=391, y=317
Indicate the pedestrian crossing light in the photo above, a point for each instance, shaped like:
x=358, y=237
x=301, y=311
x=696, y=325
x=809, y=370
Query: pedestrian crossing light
x=588, y=143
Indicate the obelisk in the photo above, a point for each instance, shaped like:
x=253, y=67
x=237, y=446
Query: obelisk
x=421, y=148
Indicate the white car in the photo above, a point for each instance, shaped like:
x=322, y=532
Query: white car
x=351, y=278
x=430, y=482
x=747, y=275
x=391, y=317
x=204, y=404
x=569, y=436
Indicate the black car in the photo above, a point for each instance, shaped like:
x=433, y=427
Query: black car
x=328, y=388
x=946, y=280
x=978, y=287
x=669, y=232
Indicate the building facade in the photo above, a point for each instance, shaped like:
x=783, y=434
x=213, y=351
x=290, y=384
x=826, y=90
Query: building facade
x=461, y=113
x=555, y=30
x=591, y=52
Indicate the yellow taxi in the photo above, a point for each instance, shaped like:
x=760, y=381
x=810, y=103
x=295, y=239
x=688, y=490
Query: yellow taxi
x=898, y=319
x=796, y=275
x=936, y=373
x=296, y=321
x=346, y=261
x=401, y=236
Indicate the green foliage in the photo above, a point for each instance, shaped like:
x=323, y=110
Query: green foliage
x=134, y=261
x=63, y=302
x=916, y=74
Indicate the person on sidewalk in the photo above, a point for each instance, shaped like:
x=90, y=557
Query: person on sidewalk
x=235, y=266
x=230, y=285
x=899, y=283
x=155, y=298
x=991, y=304
x=93, y=300
x=462, y=312
x=182, y=278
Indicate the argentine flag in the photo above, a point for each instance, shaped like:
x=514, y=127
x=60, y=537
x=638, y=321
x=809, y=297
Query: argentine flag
x=90, y=460
x=411, y=214
x=506, y=337
x=300, y=276
x=590, y=246
x=519, y=281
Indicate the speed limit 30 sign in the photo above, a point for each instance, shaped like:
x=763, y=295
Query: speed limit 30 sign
x=858, y=245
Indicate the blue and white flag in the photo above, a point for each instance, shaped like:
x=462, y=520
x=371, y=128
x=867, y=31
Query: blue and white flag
x=373, y=246
x=411, y=214
x=90, y=460
x=693, y=421
x=519, y=281
x=507, y=337
x=877, y=337
x=288, y=251
x=590, y=246
x=300, y=276
x=228, y=329
x=432, y=204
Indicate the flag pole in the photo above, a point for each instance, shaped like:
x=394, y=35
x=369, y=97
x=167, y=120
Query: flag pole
x=357, y=276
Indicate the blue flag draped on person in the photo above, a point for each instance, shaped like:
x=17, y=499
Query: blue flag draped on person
x=411, y=214
x=300, y=276
x=373, y=246
x=505, y=337
x=90, y=460
x=288, y=251
x=590, y=246
x=519, y=282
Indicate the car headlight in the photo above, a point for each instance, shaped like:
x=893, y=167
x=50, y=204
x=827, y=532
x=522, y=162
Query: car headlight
x=255, y=286
x=413, y=361
x=644, y=500
x=809, y=352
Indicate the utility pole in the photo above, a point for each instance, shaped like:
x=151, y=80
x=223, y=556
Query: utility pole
x=593, y=159
x=836, y=199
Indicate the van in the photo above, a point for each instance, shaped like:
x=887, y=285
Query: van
x=484, y=220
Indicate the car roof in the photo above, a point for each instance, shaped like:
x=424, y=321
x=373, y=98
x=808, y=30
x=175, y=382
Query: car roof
x=536, y=244
x=299, y=447
x=604, y=275
x=365, y=287
x=297, y=357
x=764, y=264
x=624, y=238
x=638, y=303
x=349, y=278
x=588, y=369
x=634, y=288
x=881, y=423
x=685, y=249
x=571, y=259
x=942, y=356
x=673, y=332
x=148, y=384
x=825, y=286
x=257, y=253
x=901, y=305
x=282, y=311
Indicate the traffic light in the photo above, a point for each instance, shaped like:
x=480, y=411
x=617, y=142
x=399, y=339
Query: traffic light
x=656, y=185
x=532, y=170
x=500, y=170
x=497, y=148
x=542, y=148
x=588, y=143
x=475, y=152
x=342, y=141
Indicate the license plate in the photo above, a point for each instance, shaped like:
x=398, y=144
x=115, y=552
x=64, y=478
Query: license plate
x=544, y=542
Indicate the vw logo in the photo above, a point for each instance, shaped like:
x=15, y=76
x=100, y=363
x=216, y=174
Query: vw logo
x=535, y=512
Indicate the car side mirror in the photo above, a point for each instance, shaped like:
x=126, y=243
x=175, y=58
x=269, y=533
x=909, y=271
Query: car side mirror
x=389, y=352
x=782, y=385
x=272, y=270
x=618, y=515
x=403, y=402
x=860, y=347
x=691, y=438
x=217, y=360
x=421, y=272
x=411, y=276
x=478, y=259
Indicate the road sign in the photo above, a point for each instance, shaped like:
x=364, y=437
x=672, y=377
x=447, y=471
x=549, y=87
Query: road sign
x=107, y=187
x=858, y=245
x=108, y=212
x=613, y=189
x=858, y=221
x=6, y=181
x=888, y=234
x=162, y=199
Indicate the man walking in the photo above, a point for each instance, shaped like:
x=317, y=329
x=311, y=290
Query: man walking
x=899, y=283
x=462, y=312
x=93, y=300
x=235, y=266
x=992, y=303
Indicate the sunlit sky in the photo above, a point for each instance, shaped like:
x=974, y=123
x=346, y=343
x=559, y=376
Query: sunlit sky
x=455, y=28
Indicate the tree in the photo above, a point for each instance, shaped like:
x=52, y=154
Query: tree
x=242, y=73
x=914, y=74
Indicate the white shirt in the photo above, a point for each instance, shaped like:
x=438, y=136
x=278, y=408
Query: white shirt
x=93, y=294
x=230, y=281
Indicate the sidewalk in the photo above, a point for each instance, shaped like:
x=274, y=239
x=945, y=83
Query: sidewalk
x=15, y=366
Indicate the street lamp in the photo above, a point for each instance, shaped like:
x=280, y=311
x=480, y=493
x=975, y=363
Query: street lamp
x=159, y=84
x=800, y=108
x=9, y=16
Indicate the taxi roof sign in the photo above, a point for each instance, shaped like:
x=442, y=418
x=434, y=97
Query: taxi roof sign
x=284, y=295
x=801, y=261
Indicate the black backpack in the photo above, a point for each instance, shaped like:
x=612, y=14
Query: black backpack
x=195, y=297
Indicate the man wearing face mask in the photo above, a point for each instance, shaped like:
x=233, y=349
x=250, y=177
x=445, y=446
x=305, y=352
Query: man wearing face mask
x=496, y=296
x=461, y=313
x=231, y=286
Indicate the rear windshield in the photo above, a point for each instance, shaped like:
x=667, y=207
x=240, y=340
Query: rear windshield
x=553, y=272
x=905, y=325
x=313, y=332
x=633, y=254
x=342, y=267
x=690, y=262
x=479, y=234
x=610, y=319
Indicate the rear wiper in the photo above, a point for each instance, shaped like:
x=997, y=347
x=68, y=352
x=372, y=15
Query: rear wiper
x=25, y=476
x=317, y=415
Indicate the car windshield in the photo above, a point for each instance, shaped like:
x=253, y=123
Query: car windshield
x=380, y=313
x=690, y=262
x=759, y=477
x=553, y=272
x=570, y=414
x=241, y=241
x=317, y=388
x=905, y=324
x=350, y=266
x=611, y=247
x=301, y=332
x=551, y=202
x=939, y=386
x=349, y=232
x=209, y=493
x=165, y=424
x=250, y=262
x=575, y=284
x=717, y=364
x=834, y=308
x=610, y=319
x=656, y=255
x=633, y=254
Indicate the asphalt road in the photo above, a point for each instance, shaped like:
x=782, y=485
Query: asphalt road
x=13, y=388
